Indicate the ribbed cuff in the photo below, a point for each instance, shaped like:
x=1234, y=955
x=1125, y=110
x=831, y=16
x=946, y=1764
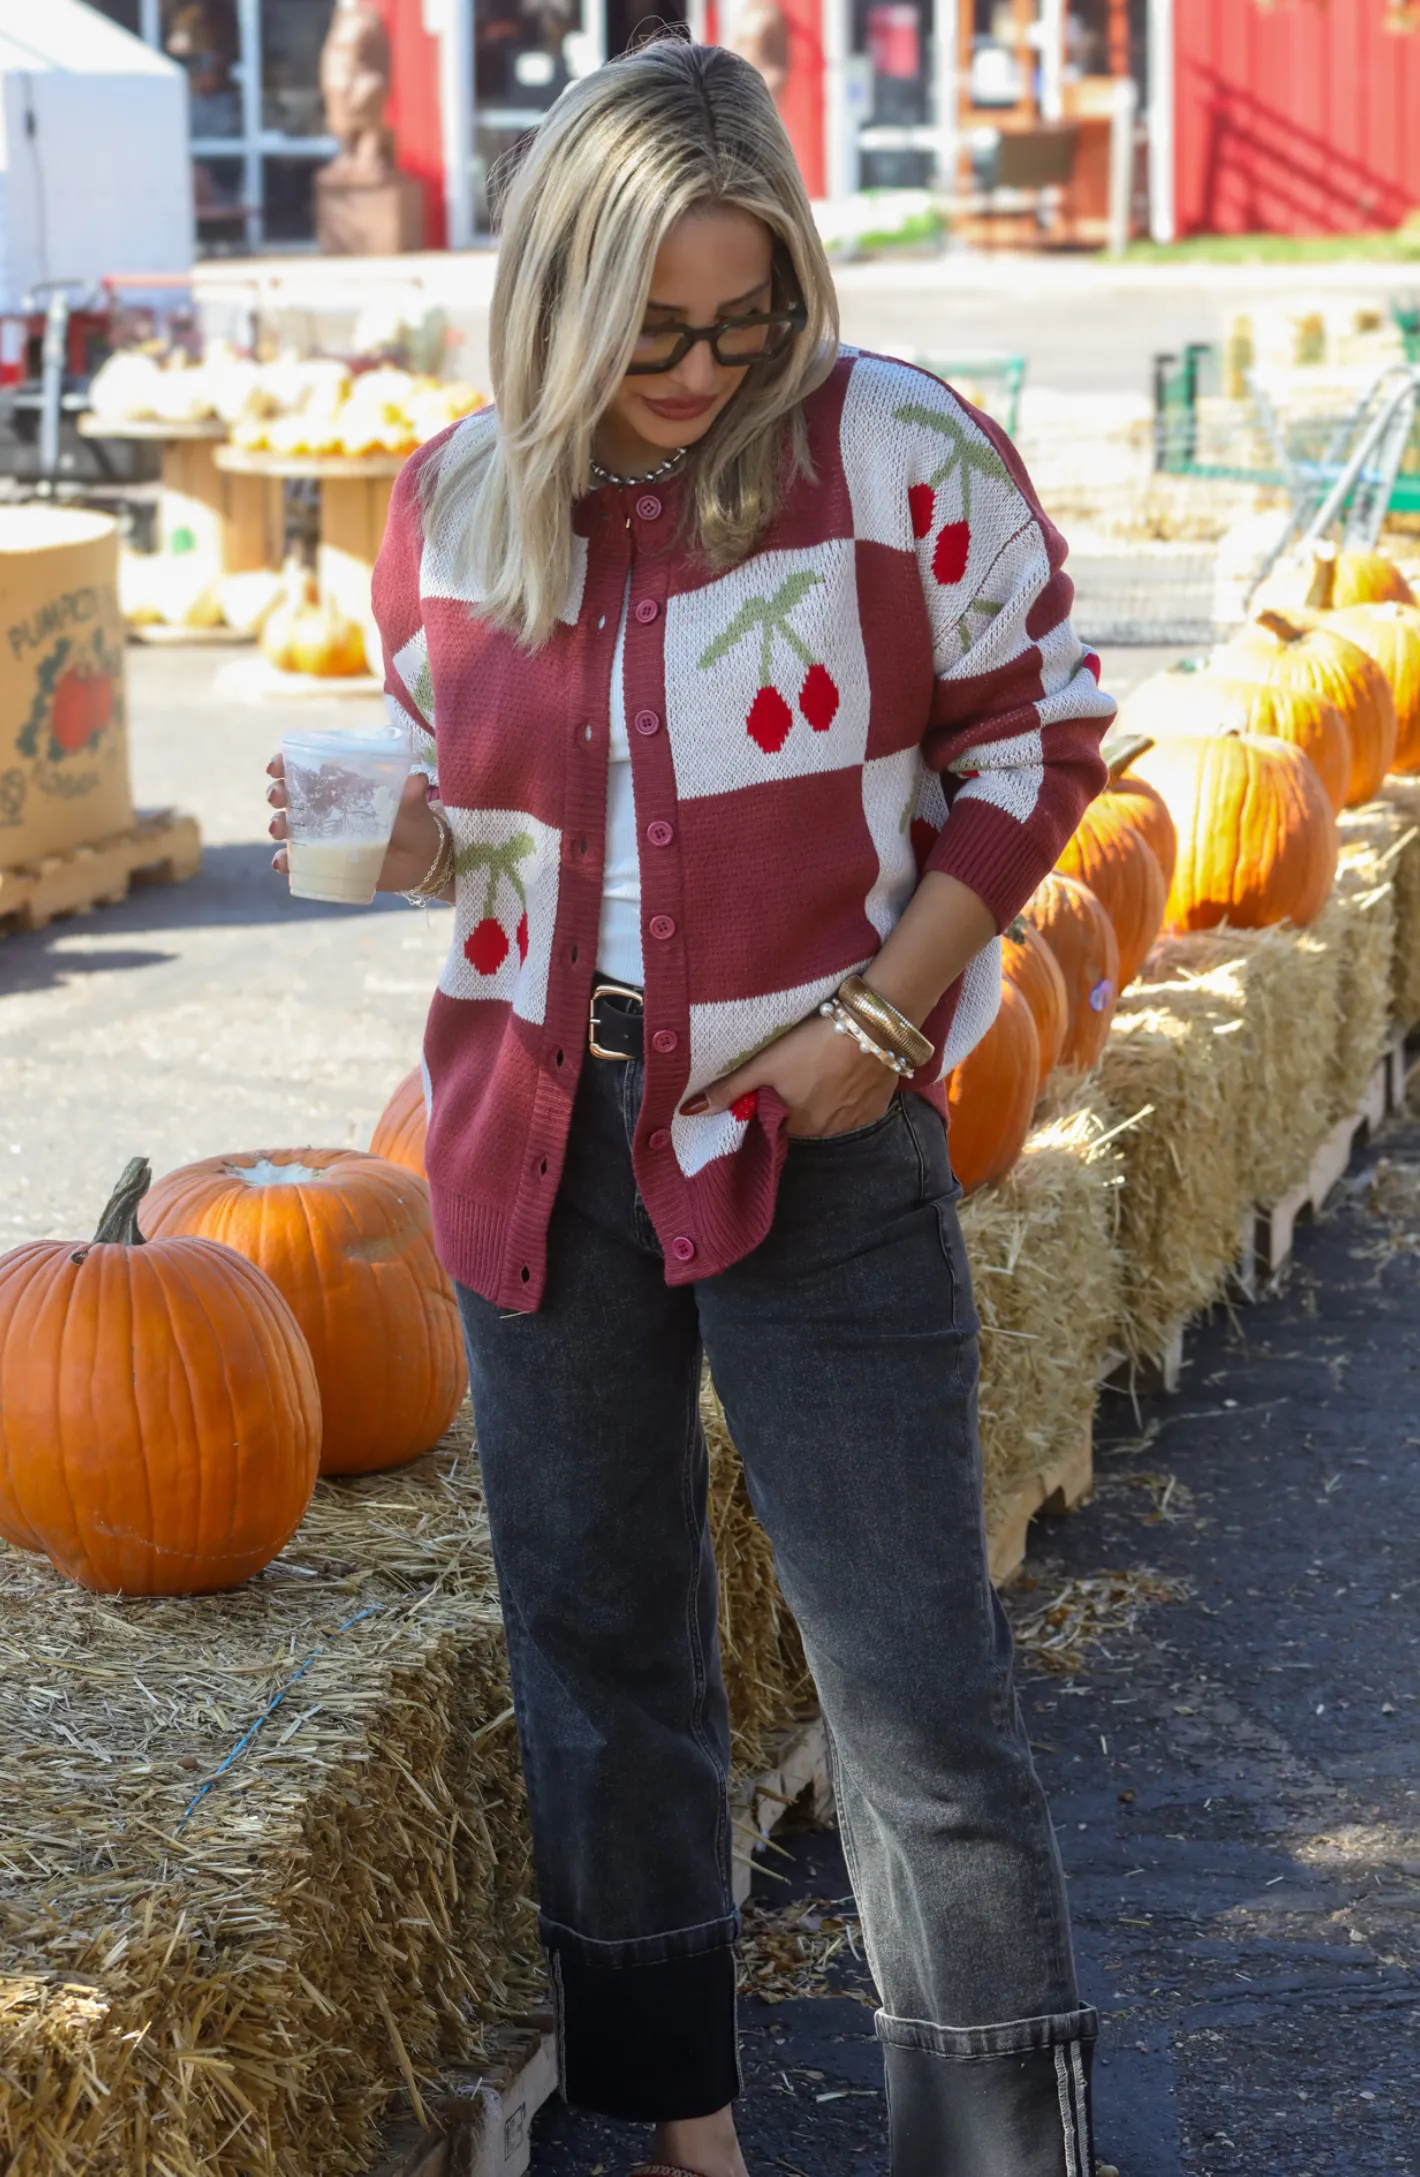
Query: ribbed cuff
x=997, y=856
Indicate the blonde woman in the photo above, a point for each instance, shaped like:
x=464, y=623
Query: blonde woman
x=746, y=666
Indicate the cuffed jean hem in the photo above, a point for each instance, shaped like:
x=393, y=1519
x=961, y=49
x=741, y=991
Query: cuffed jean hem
x=1014, y=2037
x=646, y=2029
x=1007, y=2100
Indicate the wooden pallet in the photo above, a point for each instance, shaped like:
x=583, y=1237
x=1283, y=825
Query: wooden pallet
x=162, y=847
x=1276, y=1226
x=1154, y=1373
x=1060, y=1488
x=758, y=1804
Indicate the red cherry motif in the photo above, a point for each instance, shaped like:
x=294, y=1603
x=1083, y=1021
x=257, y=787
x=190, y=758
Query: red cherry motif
x=818, y=698
x=949, y=557
x=1092, y=665
x=921, y=499
x=745, y=1107
x=486, y=946
x=770, y=719
x=923, y=837
x=521, y=938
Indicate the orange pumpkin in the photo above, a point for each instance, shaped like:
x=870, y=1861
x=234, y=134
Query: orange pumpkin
x=1327, y=579
x=1081, y=936
x=401, y=1126
x=348, y=1240
x=159, y=1418
x=1280, y=650
x=1390, y=634
x=1183, y=701
x=992, y=1094
x=1257, y=837
x=1110, y=852
x=1028, y=963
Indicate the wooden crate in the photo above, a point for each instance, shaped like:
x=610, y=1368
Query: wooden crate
x=162, y=847
x=1063, y=1486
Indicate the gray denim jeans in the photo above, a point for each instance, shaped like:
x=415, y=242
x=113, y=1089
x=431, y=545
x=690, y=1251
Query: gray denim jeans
x=845, y=1351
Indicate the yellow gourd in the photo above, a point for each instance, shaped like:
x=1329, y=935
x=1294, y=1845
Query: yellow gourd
x=305, y=635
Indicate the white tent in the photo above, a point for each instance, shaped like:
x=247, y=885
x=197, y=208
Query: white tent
x=94, y=168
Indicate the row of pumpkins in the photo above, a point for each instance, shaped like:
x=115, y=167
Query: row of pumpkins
x=1221, y=807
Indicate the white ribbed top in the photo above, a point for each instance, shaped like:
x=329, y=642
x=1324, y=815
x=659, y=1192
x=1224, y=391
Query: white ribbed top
x=619, y=932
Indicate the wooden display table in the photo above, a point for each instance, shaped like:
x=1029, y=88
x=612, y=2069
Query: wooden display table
x=235, y=521
x=354, y=506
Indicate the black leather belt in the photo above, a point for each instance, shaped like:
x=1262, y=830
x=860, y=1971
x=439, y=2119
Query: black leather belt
x=616, y=1022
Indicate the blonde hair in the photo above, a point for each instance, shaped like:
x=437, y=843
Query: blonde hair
x=619, y=158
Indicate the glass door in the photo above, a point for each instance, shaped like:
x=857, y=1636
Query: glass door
x=524, y=53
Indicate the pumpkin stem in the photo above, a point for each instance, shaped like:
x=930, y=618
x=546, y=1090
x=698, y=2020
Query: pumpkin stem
x=1322, y=588
x=1119, y=755
x=119, y=1222
x=1277, y=623
x=1016, y=930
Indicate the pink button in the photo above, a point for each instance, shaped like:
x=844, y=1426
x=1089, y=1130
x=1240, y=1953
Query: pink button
x=661, y=1138
x=682, y=1248
x=647, y=722
x=646, y=610
x=665, y=1040
x=649, y=507
x=660, y=833
x=662, y=926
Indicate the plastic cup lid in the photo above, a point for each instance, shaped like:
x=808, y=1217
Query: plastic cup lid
x=329, y=743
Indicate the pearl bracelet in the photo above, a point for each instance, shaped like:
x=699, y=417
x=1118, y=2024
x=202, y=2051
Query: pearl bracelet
x=845, y=1025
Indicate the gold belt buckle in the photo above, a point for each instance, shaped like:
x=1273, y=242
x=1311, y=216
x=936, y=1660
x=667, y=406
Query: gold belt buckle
x=602, y=990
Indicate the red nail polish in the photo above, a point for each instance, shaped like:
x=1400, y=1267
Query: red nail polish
x=693, y=1106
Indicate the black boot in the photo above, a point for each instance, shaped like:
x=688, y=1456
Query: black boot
x=1023, y=2114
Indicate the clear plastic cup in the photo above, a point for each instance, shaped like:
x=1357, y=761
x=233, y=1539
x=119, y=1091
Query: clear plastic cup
x=343, y=791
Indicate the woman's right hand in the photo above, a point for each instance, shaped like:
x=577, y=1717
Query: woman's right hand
x=414, y=841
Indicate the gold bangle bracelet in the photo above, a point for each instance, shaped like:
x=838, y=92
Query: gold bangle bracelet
x=437, y=875
x=877, y=1014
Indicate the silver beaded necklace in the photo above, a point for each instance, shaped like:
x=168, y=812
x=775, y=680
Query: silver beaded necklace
x=628, y=483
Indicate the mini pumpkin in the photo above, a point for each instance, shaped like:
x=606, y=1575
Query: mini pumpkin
x=992, y=1094
x=1028, y=963
x=159, y=1418
x=1109, y=851
x=1390, y=634
x=401, y=1126
x=1192, y=701
x=1280, y=650
x=348, y=1240
x=303, y=634
x=1257, y=837
x=1081, y=936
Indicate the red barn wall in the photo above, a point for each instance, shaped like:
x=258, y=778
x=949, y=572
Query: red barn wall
x=413, y=109
x=1297, y=118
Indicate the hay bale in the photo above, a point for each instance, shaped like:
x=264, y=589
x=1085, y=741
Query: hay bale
x=1045, y=1275
x=1173, y=1077
x=1359, y=920
x=252, y=1877
x=766, y=1677
x=1280, y=986
x=1390, y=826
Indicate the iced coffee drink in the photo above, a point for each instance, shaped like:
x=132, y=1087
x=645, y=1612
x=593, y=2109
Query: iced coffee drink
x=342, y=796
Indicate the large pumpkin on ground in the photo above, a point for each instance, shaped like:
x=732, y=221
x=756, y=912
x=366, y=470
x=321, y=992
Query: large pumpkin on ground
x=1028, y=963
x=1315, y=657
x=159, y=1418
x=347, y=1239
x=1390, y=634
x=1110, y=852
x=401, y=1126
x=992, y=1094
x=1187, y=700
x=1257, y=838
x=1081, y=936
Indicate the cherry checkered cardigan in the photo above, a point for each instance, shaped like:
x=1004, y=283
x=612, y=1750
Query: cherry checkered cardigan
x=889, y=684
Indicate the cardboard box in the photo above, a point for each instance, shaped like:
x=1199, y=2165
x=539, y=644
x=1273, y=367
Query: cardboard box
x=63, y=691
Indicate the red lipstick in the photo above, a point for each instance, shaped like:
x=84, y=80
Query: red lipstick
x=681, y=411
